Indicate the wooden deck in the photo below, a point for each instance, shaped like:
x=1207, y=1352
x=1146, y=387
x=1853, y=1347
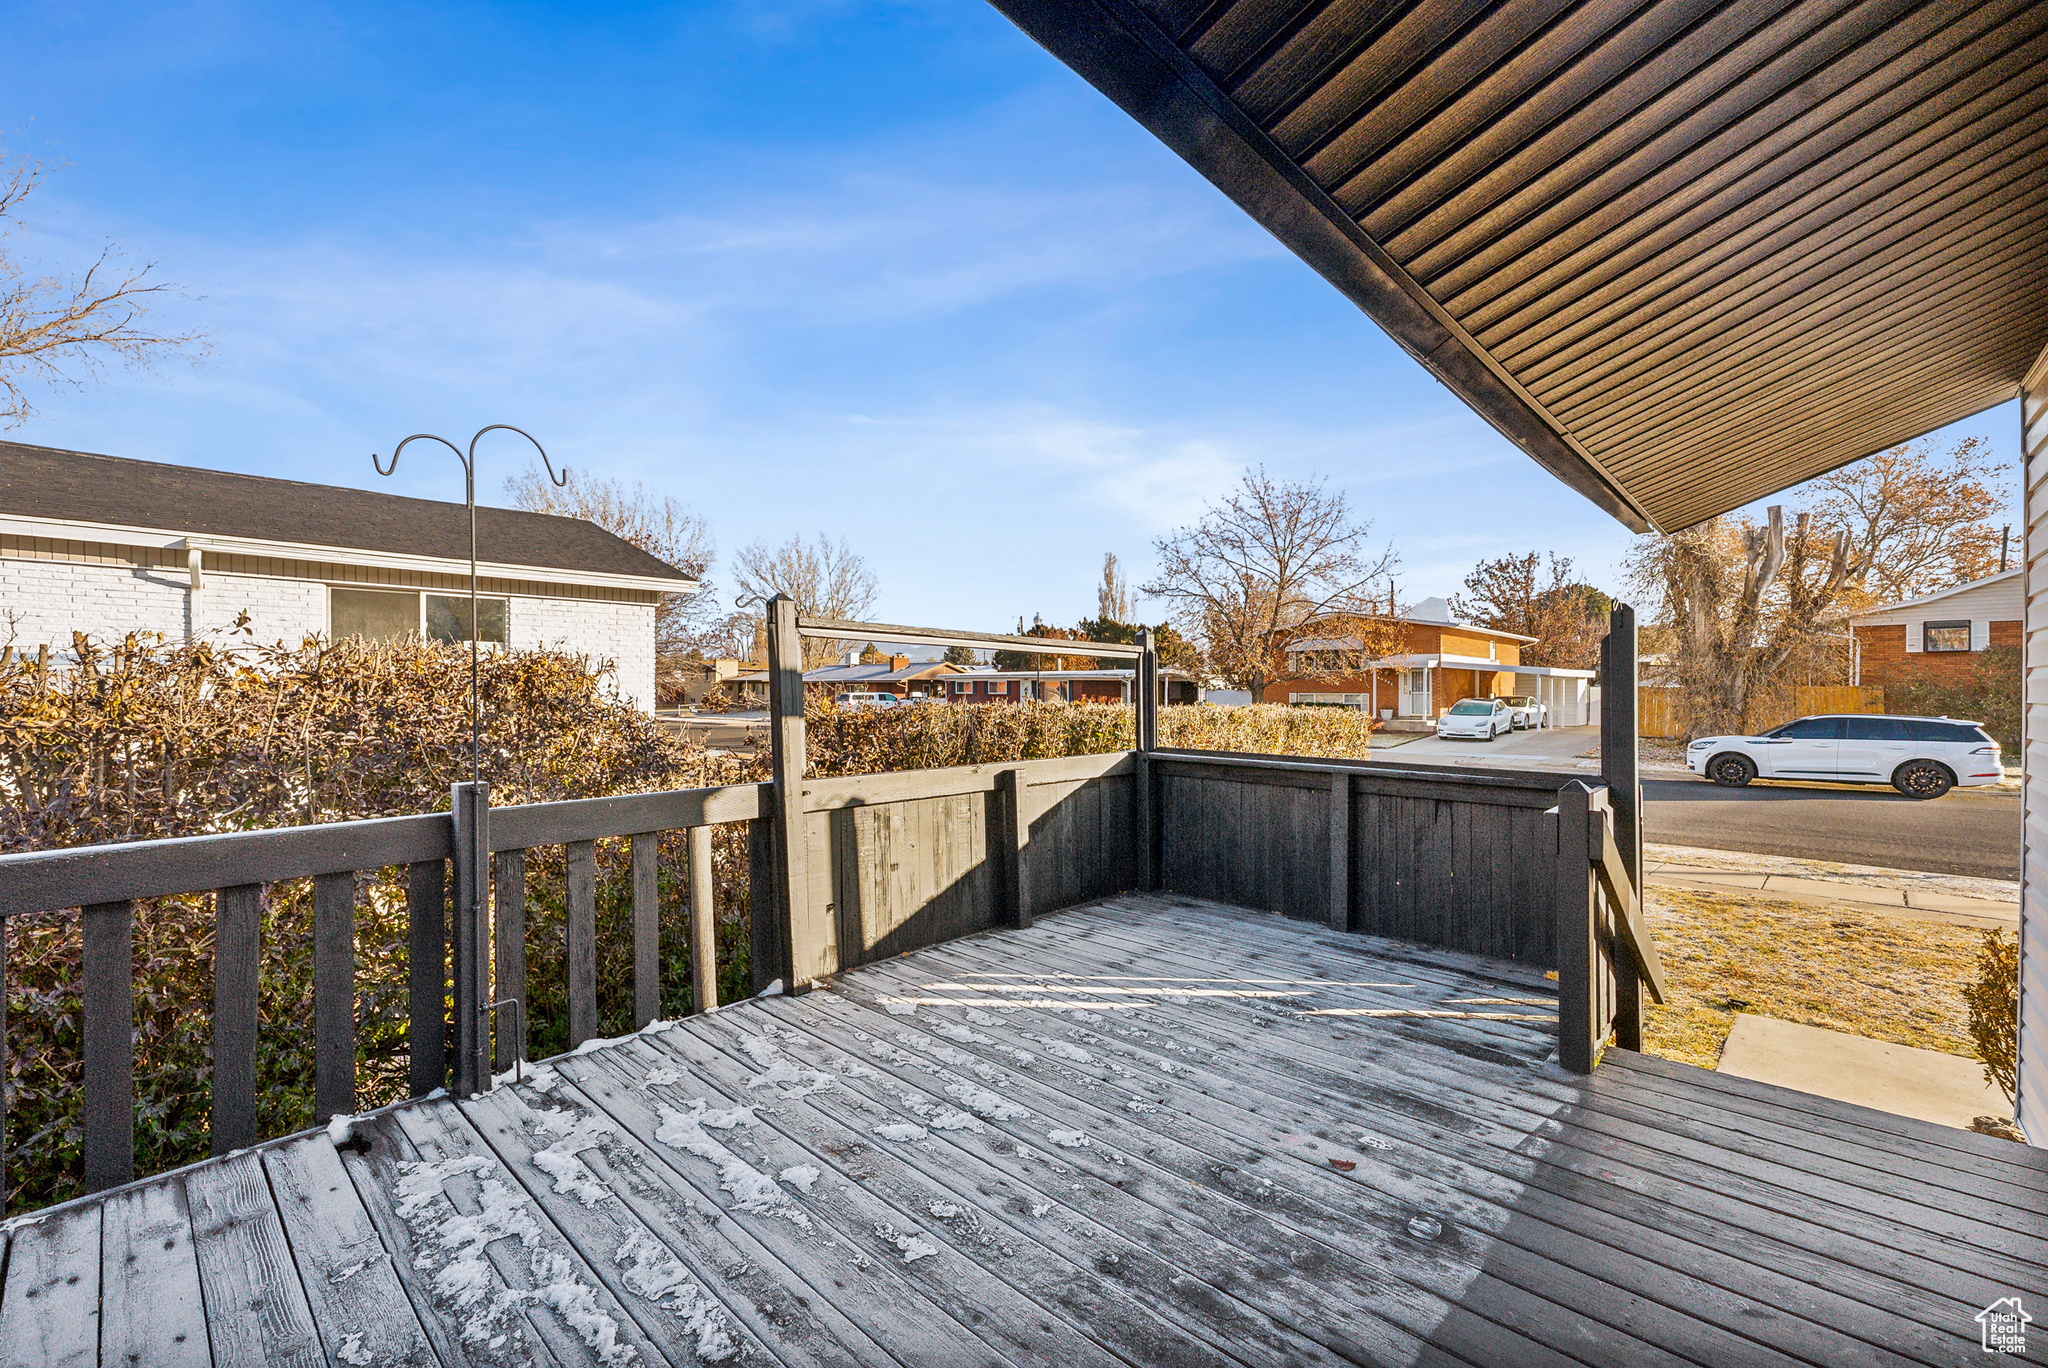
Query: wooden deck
x=1147, y=1131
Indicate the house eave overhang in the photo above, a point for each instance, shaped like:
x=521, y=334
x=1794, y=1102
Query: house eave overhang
x=63, y=529
x=1683, y=256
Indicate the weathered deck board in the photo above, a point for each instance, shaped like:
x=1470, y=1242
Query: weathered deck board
x=151, y=1308
x=1148, y=1131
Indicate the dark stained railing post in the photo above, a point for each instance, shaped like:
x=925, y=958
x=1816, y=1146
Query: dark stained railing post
x=334, y=994
x=108, y=1009
x=703, y=921
x=426, y=897
x=1144, y=817
x=508, y=929
x=1619, y=740
x=471, y=807
x=580, y=933
x=1011, y=833
x=237, y=955
x=1578, y=951
x=646, y=930
x=808, y=946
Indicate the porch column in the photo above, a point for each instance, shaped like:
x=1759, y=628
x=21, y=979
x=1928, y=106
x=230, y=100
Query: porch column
x=2032, y=1102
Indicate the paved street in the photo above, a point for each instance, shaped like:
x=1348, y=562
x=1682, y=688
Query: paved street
x=1970, y=831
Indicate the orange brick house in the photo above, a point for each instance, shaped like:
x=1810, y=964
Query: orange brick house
x=1940, y=638
x=1436, y=662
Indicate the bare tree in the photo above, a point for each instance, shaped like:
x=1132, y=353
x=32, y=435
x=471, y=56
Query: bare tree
x=1513, y=594
x=1113, y=596
x=658, y=524
x=57, y=329
x=1749, y=610
x=1273, y=563
x=1927, y=512
x=827, y=580
x=1742, y=604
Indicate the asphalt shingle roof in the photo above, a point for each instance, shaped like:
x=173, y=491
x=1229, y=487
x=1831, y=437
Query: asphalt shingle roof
x=79, y=486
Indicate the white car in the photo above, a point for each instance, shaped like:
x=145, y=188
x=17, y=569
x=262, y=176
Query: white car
x=1480, y=718
x=1525, y=710
x=869, y=700
x=1921, y=757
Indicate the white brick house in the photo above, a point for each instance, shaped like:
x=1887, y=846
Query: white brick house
x=108, y=546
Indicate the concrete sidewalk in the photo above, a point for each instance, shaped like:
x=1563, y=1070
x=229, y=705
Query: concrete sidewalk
x=1946, y=1089
x=1898, y=893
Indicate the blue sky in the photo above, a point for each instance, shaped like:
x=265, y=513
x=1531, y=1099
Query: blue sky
x=881, y=270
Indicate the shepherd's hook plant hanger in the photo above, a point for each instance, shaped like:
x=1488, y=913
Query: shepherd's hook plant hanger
x=469, y=497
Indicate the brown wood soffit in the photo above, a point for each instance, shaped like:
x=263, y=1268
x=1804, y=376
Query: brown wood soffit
x=1684, y=253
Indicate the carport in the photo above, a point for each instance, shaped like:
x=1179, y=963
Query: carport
x=1684, y=253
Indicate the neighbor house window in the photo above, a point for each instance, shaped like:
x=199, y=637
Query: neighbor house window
x=374, y=614
x=1947, y=636
x=447, y=618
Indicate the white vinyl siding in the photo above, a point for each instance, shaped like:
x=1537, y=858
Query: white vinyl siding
x=2033, y=1032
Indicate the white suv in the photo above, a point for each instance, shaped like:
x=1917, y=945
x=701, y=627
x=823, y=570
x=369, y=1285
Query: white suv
x=1921, y=757
x=869, y=700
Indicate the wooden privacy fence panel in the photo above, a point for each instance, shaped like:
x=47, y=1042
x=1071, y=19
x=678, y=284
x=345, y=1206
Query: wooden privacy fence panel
x=1658, y=711
x=1252, y=835
x=900, y=861
x=1437, y=857
x=1466, y=868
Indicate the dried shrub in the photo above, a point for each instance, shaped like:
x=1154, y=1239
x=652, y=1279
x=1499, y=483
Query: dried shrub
x=140, y=739
x=934, y=735
x=1994, y=1003
x=1992, y=697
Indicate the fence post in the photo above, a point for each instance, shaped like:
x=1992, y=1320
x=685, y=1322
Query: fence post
x=1340, y=851
x=1619, y=738
x=1144, y=818
x=1577, y=952
x=1011, y=834
x=470, y=805
x=807, y=947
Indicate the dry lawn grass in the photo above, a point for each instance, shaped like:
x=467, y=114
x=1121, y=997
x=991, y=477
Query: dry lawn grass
x=1859, y=972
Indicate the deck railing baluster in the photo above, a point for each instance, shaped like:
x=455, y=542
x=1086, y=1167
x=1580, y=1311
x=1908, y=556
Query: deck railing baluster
x=703, y=921
x=334, y=994
x=108, y=1028
x=426, y=897
x=237, y=956
x=469, y=959
x=646, y=930
x=581, y=933
x=508, y=930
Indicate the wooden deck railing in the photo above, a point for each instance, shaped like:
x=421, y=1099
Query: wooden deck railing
x=1605, y=954
x=475, y=844
x=1521, y=865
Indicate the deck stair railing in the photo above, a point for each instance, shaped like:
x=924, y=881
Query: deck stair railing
x=473, y=846
x=1605, y=954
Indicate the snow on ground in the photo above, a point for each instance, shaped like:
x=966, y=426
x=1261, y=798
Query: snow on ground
x=984, y=1103
x=901, y=1131
x=652, y=1272
x=751, y=1189
x=459, y=1272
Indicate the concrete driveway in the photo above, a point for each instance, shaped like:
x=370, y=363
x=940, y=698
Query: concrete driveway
x=1545, y=749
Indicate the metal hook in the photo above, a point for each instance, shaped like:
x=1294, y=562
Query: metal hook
x=561, y=480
